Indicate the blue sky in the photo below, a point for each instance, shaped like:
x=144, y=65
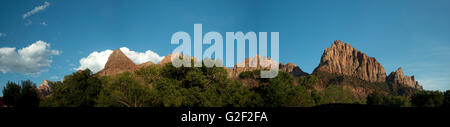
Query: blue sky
x=412, y=34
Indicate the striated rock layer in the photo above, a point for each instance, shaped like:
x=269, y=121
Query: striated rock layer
x=342, y=59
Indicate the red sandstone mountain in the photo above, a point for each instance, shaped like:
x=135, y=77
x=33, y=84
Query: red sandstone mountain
x=118, y=63
x=341, y=58
x=341, y=64
x=398, y=78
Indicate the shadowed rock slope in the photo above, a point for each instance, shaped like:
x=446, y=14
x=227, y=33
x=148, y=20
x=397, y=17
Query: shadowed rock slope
x=118, y=63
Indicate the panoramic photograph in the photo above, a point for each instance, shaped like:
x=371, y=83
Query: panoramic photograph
x=224, y=57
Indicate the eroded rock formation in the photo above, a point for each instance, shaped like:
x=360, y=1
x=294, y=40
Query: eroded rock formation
x=292, y=69
x=118, y=63
x=341, y=58
x=398, y=78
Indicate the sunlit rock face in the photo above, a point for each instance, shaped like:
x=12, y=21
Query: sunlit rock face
x=398, y=78
x=341, y=58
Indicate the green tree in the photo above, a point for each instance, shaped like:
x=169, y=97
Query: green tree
x=308, y=81
x=56, y=96
x=11, y=94
x=375, y=98
x=396, y=101
x=201, y=87
x=150, y=74
x=427, y=99
x=124, y=90
x=168, y=93
x=21, y=96
x=80, y=89
x=335, y=94
x=302, y=98
x=447, y=98
x=29, y=96
x=277, y=91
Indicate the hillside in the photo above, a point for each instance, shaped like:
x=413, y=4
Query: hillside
x=344, y=75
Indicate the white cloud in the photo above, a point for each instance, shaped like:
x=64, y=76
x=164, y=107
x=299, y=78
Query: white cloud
x=44, y=23
x=2, y=35
x=36, y=10
x=141, y=57
x=96, y=60
x=29, y=60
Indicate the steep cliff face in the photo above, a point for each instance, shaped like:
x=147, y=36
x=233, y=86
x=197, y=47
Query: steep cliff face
x=398, y=78
x=341, y=64
x=342, y=59
x=118, y=63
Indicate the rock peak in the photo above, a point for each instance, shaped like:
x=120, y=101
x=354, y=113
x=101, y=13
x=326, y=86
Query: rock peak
x=399, y=70
x=117, y=50
x=342, y=58
x=118, y=58
x=398, y=78
x=117, y=63
x=338, y=42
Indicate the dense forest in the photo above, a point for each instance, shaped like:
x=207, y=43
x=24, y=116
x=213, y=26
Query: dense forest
x=167, y=86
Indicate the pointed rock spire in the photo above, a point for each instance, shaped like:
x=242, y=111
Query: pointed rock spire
x=117, y=63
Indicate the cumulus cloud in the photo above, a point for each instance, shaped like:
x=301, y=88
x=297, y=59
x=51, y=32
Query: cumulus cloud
x=141, y=57
x=29, y=60
x=36, y=10
x=96, y=60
